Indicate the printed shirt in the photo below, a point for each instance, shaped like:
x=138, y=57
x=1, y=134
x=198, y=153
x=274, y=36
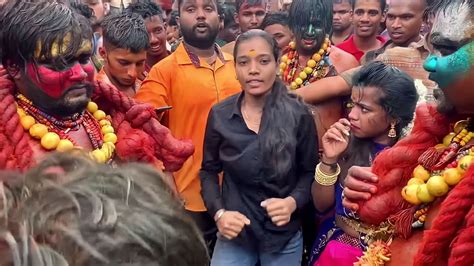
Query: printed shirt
x=191, y=86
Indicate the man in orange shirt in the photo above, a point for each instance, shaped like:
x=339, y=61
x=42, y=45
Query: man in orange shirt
x=191, y=80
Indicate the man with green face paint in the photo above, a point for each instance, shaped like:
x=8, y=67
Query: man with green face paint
x=311, y=56
x=426, y=181
x=449, y=69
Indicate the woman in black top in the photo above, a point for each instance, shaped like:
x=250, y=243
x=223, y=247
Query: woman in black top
x=264, y=141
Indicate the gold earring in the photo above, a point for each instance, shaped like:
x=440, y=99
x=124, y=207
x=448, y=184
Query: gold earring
x=392, y=133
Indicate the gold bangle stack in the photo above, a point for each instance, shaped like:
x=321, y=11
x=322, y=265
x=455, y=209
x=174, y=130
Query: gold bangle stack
x=324, y=179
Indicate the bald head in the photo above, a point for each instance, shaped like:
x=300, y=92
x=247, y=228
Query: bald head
x=404, y=20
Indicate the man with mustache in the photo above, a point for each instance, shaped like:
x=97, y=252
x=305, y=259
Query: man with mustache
x=46, y=100
x=250, y=15
x=441, y=202
x=124, y=51
x=191, y=80
x=367, y=16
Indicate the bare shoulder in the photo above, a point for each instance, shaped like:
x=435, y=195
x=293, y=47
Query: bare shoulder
x=342, y=60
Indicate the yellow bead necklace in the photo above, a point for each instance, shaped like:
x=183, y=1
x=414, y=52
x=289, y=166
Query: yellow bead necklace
x=50, y=138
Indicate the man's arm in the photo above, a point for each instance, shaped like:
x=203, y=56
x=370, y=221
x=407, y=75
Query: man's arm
x=328, y=88
x=155, y=88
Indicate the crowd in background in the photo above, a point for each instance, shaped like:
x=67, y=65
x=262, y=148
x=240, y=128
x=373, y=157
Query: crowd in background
x=257, y=124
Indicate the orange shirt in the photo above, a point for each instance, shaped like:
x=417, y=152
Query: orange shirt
x=191, y=86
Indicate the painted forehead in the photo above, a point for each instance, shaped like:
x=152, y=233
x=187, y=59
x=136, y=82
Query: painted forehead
x=61, y=48
x=455, y=22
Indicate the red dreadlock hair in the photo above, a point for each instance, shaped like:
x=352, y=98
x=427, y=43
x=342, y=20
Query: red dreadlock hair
x=140, y=136
x=453, y=228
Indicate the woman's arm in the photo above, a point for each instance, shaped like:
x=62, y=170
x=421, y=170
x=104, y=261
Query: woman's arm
x=335, y=141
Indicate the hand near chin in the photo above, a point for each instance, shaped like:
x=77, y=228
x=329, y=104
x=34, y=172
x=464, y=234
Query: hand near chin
x=359, y=185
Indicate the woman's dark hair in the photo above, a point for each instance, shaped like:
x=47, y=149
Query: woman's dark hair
x=398, y=97
x=281, y=111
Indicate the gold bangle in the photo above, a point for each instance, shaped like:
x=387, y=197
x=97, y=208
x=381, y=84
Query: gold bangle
x=324, y=179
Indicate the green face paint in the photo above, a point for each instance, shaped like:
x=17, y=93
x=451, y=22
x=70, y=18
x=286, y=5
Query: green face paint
x=310, y=30
x=447, y=70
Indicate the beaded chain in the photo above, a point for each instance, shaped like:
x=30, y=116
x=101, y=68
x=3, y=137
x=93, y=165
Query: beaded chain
x=53, y=133
x=315, y=67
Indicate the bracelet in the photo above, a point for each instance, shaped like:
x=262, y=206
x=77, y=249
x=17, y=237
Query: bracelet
x=324, y=179
x=219, y=214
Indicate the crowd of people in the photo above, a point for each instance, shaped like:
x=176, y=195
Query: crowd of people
x=198, y=132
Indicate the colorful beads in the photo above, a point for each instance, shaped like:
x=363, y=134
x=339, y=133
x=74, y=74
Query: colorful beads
x=289, y=65
x=446, y=172
x=97, y=126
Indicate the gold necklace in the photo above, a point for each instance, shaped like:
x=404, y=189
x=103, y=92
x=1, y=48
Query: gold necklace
x=250, y=121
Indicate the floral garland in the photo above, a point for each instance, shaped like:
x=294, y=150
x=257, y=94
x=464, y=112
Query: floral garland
x=53, y=133
x=315, y=67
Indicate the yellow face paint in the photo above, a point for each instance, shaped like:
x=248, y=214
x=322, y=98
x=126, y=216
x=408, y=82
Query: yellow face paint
x=252, y=53
x=57, y=51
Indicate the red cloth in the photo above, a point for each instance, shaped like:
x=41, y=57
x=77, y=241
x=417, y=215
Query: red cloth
x=166, y=4
x=350, y=47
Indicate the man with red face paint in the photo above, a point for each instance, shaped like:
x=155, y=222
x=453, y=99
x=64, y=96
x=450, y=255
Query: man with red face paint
x=250, y=15
x=46, y=101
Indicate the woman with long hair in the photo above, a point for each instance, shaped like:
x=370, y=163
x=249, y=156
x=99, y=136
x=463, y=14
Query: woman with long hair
x=383, y=103
x=263, y=140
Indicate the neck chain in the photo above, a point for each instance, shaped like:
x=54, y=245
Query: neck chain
x=53, y=133
x=247, y=118
x=315, y=67
x=71, y=123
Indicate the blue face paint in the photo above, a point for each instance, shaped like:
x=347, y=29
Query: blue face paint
x=447, y=70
